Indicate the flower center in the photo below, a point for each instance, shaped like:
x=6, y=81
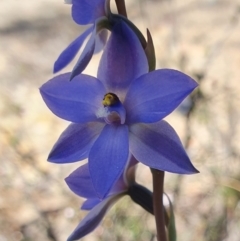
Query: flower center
x=112, y=110
x=110, y=99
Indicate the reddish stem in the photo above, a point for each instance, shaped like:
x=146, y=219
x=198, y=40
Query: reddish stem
x=121, y=7
x=158, y=181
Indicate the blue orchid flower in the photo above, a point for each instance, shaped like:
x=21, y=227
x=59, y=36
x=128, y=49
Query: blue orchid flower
x=98, y=14
x=119, y=113
x=81, y=184
x=87, y=11
x=84, y=12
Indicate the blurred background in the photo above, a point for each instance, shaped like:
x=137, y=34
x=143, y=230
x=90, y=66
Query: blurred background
x=199, y=37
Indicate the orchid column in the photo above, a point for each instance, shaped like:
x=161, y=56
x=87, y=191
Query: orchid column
x=117, y=117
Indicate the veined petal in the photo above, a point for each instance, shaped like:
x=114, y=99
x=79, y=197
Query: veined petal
x=108, y=157
x=90, y=203
x=93, y=218
x=126, y=178
x=75, y=142
x=101, y=40
x=85, y=56
x=80, y=182
x=156, y=94
x=87, y=11
x=123, y=59
x=88, y=51
x=70, y=52
x=158, y=146
x=119, y=186
x=129, y=172
x=76, y=101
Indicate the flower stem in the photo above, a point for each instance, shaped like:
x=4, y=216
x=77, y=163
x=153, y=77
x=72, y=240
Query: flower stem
x=121, y=7
x=158, y=180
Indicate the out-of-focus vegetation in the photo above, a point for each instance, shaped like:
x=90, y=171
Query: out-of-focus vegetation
x=199, y=37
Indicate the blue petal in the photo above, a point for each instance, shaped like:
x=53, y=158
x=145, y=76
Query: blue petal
x=93, y=218
x=119, y=186
x=90, y=203
x=126, y=178
x=123, y=59
x=80, y=182
x=156, y=94
x=70, y=52
x=129, y=172
x=76, y=101
x=101, y=40
x=108, y=157
x=158, y=146
x=87, y=11
x=75, y=143
x=85, y=56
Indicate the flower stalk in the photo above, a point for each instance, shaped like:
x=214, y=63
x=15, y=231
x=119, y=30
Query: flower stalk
x=121, y=7
x=158, y=182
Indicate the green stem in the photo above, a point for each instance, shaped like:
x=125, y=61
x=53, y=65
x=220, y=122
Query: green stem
x=121, y=7
x=158, y=181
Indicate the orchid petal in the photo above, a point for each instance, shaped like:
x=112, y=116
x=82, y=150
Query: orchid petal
x=123, y=49
x=93, y=218
x=126, y=178
x=85, y=11
x=75, y=143
x=158, y=146
x=129, y=172
x=80, y=182
x=85, y=56
x=90, y=203
x=88, y=51
x=101, y=40
x=70, y=52
x=156, y=94
x=75, y=101
x=119, y=186
x=108, y=157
